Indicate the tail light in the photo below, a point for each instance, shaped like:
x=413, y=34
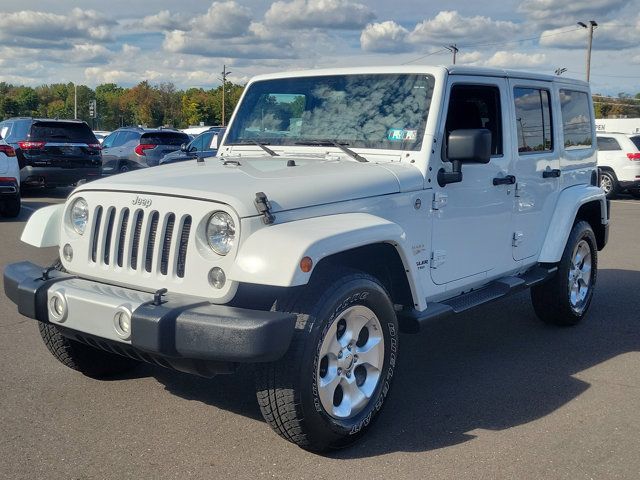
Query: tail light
x=142, y=147
x=633, y=156
x=8, y=150
x=94, y=146
x=31, y=145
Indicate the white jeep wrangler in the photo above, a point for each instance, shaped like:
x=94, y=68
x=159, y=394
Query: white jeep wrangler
x=344, y=206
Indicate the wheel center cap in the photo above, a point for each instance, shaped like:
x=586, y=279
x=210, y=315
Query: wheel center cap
x=347, y=361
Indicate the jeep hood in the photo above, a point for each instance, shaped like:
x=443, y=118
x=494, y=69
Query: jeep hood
x=312, y=181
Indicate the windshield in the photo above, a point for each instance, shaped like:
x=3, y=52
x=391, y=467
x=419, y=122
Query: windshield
x=383, y=111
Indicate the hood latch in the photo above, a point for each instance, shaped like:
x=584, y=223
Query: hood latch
x=263, y=205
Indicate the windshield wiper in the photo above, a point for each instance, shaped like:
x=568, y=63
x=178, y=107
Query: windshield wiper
x=341, y=146
x=260, y=144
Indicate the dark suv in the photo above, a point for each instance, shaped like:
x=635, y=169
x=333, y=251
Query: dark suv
x=131, y=148
x=53, y=152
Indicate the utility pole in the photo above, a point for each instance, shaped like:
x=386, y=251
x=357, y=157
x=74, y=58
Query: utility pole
x=592, y=24
x=453, y=49
x=225, y=73
x=75, y=100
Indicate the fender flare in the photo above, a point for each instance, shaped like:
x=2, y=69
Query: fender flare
x=567, y=206
x=271, y=256
x=43, y=227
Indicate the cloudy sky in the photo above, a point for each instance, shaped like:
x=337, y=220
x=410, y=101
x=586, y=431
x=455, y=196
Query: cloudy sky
x=188, y=41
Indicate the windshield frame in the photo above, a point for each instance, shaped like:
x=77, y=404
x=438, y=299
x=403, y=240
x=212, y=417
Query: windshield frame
x=382, y=144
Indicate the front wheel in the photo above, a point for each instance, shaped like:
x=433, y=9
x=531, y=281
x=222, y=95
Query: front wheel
x=325, y=392
x=609, y=183
x=11, y=207
x=565, y=299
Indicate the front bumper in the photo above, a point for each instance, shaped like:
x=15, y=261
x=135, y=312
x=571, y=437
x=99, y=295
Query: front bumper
x=58, y=176
x=181, y=332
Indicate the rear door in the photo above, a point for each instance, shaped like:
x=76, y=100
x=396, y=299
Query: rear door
x=63, y=144
x=536, y=164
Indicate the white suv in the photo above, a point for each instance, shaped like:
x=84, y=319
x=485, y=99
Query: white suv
x=344, y=206
x=9, y=181
x=619, y=163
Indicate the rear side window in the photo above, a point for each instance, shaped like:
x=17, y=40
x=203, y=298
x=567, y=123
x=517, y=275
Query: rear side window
x=607, y=144
x=636, y=141
x=14, y=131
x=62, y=132
x=533, y=120
x=165, y=138
x=576, y=119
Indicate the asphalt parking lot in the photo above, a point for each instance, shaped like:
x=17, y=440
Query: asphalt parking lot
x=492, y=394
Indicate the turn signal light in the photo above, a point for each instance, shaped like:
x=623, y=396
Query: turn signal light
x=31, y=145
x=306, y=264
x=8, y=150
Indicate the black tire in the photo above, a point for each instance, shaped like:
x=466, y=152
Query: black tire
x=609, y=183
x=11, y=207
x=287, y=391
x=552, y=300
x=634, y=193
x=90, y=361
x=123, y=167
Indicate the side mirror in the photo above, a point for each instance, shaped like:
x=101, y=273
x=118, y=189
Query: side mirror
x=217, y=139
x=183, y=147
x=465, y=146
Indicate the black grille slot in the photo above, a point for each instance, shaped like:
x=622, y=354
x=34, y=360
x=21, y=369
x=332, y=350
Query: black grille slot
x=123, y=233
x=151, y=241
x=136, y=239
x=96, y=234
x=166, y=243
x=182, y=247
x=109, y=232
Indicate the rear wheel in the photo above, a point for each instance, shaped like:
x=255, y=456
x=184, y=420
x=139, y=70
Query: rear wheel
x=565, y=299
x=325, y=392
x=609, y=183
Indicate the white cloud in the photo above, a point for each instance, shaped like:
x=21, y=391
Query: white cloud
x=24, y=26
x=223, y=20
x=89, y=53
x=514, y=60
x=469, y=58
x=109, y=75
x=568, y=12
x=329, y=14
x=607, y=36
x=130, y=49
x=163, y=20
x=385, y=37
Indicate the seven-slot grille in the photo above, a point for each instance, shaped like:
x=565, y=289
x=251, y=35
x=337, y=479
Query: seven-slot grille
x=140, y=240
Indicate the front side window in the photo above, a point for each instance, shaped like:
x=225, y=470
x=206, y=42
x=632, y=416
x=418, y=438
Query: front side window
x=607, y=144
x=576, y=119
x=109, y=140
x=196, y=144
x=383, y=111
x=476, y=106
x=533, y=120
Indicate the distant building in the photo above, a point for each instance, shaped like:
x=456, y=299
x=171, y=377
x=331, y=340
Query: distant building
x=620, y=125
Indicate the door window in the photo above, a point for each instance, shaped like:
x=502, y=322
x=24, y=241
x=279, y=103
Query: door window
x=576, y=119
x=196, y=144
x=109, y=140
x=606, y=144
x=476, y=106
x=533, y=120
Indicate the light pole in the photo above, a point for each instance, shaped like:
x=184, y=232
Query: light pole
x=453, y=49
x=592, y=24
x=225, y=72
x=75, y=100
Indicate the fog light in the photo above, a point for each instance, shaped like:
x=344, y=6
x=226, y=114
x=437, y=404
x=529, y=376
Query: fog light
x=122, y=322
x=67, y=252
x=58, y=307
x=217, y=278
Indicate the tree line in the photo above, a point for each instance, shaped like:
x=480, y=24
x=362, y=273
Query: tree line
x=143, y=104
x=165, y=105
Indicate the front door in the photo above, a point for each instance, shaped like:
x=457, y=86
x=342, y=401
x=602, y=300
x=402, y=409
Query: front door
x=472, y=229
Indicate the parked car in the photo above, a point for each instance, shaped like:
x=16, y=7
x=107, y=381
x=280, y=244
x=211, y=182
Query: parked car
x=53, y=153
x=131, y=148
x=9, y=181
x=204, y=145
x=619, y=163
x=351, y=204
x=101, y=134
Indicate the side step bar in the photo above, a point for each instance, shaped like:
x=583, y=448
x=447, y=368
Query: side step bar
x=412, y=321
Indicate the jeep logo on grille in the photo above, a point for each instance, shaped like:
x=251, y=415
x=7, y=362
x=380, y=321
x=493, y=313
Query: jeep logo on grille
x=145, y=202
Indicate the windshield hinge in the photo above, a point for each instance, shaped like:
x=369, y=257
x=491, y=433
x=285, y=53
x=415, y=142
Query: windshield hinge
x=263, y=205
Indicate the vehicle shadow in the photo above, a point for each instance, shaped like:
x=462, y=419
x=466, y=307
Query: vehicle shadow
x=492, y=369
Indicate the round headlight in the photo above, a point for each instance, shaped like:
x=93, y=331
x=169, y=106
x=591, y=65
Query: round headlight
x=79, y=215
x=221, y=232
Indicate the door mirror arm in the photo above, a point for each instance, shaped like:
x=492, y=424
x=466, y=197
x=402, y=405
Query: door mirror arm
x=454, y=176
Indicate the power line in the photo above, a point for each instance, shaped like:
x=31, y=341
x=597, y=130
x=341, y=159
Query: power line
x=425, y=56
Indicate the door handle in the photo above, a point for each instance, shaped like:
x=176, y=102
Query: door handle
x=555, y=173
x=506, y=180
